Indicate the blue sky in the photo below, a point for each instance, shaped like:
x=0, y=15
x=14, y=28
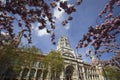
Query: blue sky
x=86, y=15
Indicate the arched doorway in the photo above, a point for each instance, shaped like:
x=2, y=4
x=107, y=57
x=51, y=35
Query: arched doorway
x=69, y=72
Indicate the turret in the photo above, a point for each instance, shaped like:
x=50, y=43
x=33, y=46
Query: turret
x=64, y=46
x=63, y=43
x=94, y=60
x=17, y=40
x=93, y=56
x=5, y=38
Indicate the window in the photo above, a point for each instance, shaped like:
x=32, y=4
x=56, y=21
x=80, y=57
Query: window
x=25, y=72
x=32, y=72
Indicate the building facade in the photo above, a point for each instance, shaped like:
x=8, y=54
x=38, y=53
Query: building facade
x=74, y=67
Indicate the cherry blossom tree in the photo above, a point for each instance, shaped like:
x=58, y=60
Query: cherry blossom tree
x=104, y=37
x=21, y=14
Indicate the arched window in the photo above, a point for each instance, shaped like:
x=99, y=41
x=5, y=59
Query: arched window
x=69, y=72
x=32, y=72
x=25, y=72
x=38, y=74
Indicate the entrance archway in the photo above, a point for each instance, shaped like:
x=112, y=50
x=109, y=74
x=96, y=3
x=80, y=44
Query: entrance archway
x=69, y=72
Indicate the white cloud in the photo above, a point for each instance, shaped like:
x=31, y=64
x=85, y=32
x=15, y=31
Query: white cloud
x=42, y=32
x=67, y=26
x=69, y=5
x=60, y=16
x=2, y=0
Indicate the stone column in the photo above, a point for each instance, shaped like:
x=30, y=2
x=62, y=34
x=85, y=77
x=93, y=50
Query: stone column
x=62, y=76
x=20, y=75
x=100, y=74
x=81, y=72
x=84, y=76
x=48, y=74
x=28, y=74
x=92, y=72
x=91, y=75
x=35, y=74
x=77, y=72
x=95, y=74
x=41, y=76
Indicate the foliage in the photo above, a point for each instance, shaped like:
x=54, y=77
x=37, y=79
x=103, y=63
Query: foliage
x=105, y=33
x=23, y=13
x=55, y=63
x=115, y=61
x=45, y=72
x=111, y=73
x=8, y=58
x=104, y=36
x=14, y=58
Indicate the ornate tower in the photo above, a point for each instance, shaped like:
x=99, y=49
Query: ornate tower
x=64, y=47
x=63, y=43
x=70, y=61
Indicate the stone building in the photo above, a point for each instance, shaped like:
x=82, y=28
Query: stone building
x=74, y=67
